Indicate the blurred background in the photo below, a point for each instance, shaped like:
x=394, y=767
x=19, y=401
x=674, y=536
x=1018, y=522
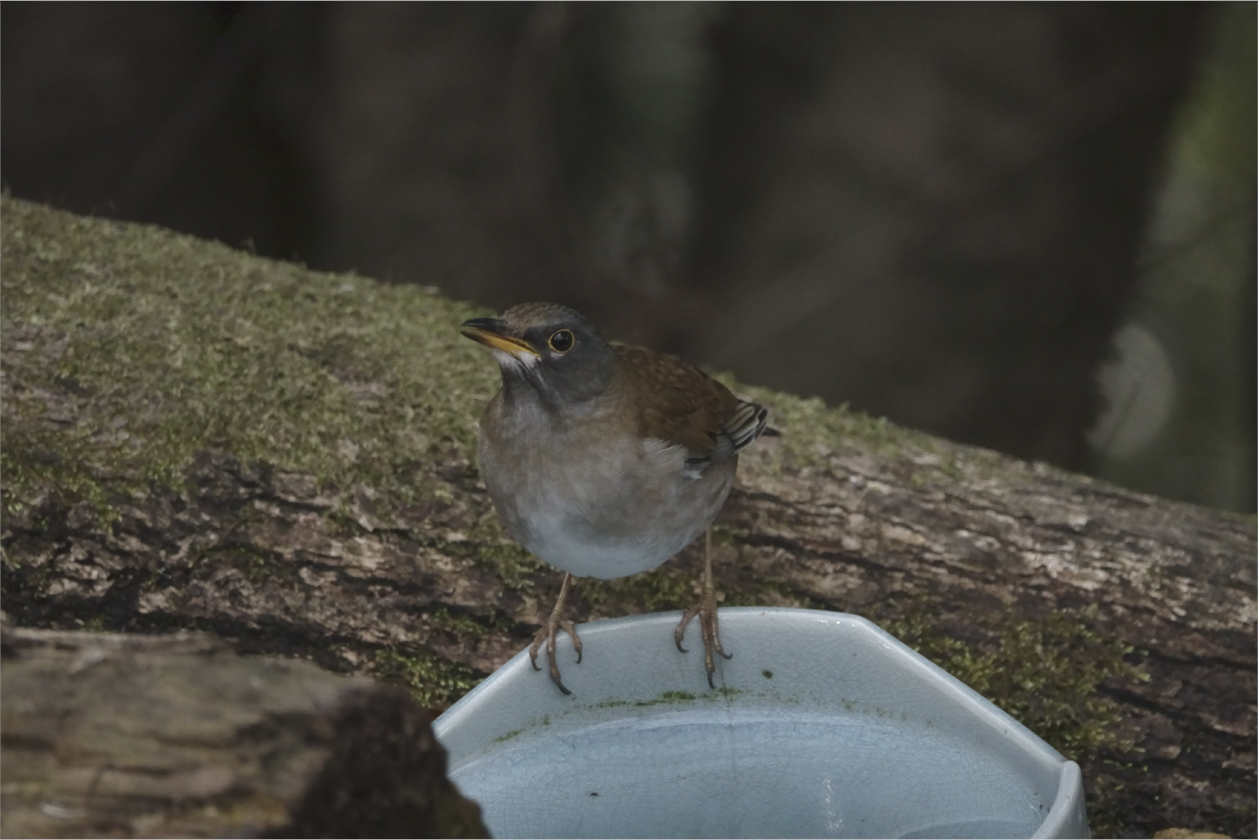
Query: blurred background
x=1028, y=227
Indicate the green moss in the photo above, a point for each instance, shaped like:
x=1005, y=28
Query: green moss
x=508, y=736
x=510, y=561
x=461, y=624
x=753, y=593
x=677, y=695
x=611, y=704
x=435, y=682
x=1049, y=675
x=465, y=625
x=155, y=346
x=670, y=697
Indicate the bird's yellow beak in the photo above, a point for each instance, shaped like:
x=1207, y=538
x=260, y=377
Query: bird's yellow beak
x=491, y=333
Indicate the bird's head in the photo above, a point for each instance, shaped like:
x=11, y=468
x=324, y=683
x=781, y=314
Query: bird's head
x=549, y=347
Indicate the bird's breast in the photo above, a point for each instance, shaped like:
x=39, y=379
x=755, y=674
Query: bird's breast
x=597, y=504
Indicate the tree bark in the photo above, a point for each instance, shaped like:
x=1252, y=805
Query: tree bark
x=175, y=736
x=1118, y=626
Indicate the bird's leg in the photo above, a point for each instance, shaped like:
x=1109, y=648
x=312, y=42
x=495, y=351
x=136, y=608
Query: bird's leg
x=705, y=608
x=550, y=629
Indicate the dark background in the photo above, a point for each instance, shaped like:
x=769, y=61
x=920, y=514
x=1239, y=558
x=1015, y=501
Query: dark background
x=1029, y=227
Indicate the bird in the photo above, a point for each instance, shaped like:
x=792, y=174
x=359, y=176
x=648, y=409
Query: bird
x=605, y=460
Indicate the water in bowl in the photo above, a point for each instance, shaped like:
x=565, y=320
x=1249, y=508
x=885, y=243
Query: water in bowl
x=744, y=772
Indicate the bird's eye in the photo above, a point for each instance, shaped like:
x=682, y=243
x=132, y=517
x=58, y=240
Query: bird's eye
x=561, y=341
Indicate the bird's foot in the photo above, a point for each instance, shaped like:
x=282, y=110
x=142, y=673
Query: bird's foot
x=548, y=633
x=705, y=609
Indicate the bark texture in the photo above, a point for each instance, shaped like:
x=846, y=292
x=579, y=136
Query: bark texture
x=110, y=735
x=196, y=438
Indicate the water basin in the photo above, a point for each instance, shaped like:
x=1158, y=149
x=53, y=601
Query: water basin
x=822, y=725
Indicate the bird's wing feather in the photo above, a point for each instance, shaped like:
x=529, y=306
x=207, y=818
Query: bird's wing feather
x=683, y=405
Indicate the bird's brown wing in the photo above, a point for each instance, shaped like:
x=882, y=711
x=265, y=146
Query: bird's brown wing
x=681, y=404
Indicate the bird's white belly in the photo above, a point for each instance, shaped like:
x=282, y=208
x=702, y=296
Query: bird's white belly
x=599, y=524
x=560, y=547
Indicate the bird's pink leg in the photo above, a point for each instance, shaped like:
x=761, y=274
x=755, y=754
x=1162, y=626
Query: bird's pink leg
x=705, y=609
x=550, y=630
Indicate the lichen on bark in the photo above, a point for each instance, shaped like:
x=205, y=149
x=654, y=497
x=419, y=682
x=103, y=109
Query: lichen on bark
x=149, y=347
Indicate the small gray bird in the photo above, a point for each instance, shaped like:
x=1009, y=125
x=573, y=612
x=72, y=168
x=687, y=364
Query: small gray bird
x=605, y=460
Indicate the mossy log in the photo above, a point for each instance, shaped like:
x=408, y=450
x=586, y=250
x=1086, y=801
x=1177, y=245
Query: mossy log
x=110, y=735
x=196, y=438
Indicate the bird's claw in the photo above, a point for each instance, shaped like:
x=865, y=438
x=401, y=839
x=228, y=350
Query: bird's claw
x=709, y=628
x=549, y=633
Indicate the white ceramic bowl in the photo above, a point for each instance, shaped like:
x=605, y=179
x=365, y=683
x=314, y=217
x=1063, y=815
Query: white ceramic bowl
x=822, y=725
